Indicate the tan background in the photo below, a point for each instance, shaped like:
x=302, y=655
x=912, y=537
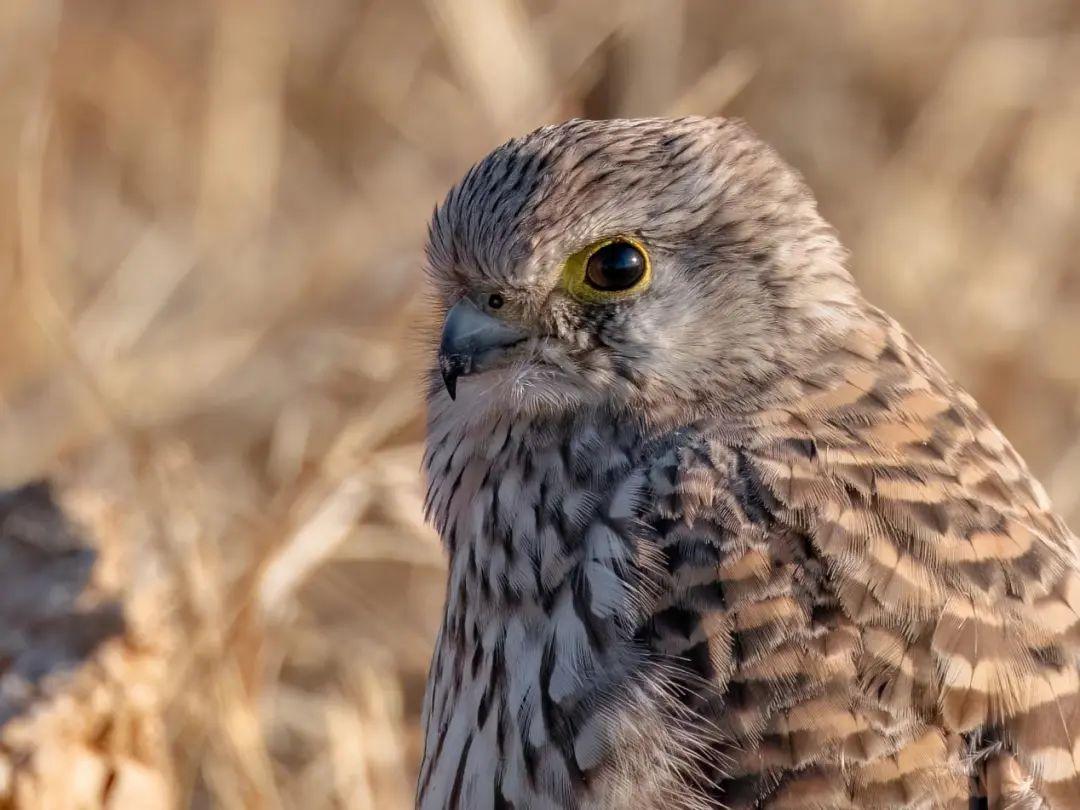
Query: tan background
x=211, y=220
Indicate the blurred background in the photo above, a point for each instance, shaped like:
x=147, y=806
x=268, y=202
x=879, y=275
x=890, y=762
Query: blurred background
x=211, y=227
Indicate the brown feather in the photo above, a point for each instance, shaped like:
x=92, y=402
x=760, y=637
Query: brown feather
x=948, y=609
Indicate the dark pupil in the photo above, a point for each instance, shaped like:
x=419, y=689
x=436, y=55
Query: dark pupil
x=618, y=266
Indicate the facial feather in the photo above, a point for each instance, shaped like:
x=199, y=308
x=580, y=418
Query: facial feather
x=748, y=277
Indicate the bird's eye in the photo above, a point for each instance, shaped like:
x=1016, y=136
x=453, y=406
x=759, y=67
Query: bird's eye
x=615, y=267
x=608, y=270
x=495, y=301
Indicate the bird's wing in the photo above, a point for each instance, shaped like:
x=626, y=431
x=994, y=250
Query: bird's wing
x=878, y=593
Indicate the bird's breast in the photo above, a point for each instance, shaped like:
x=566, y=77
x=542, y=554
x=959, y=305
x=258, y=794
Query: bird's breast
x=536, y=660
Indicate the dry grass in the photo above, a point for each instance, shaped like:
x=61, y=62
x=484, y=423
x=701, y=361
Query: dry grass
x=211, y=218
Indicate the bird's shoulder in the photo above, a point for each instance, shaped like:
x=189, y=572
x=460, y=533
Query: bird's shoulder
x=876, y=515
x=874, y=446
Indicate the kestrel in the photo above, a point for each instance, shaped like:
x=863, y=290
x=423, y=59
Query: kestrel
x=720, y=533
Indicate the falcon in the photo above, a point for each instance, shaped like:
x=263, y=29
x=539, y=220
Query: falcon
x=720, y=533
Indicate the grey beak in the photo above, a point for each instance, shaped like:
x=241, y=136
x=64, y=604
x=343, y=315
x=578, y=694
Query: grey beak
x=472, y=341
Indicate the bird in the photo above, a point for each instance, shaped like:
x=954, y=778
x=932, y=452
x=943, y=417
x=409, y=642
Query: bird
x=720, y=533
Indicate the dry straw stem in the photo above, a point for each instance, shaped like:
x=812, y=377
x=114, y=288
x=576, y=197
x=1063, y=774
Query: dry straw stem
x=211, y=227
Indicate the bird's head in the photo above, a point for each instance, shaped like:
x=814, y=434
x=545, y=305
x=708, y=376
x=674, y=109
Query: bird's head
x=645, y=263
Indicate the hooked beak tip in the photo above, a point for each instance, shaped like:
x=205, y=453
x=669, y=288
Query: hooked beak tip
x=451, y=367
x=449, y=379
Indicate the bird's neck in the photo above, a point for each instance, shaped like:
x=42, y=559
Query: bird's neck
x=510, y=494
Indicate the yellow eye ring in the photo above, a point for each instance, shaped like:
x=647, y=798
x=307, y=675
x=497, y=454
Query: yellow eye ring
x=608, y=270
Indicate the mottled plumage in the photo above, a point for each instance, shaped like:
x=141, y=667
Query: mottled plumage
x=733, y=540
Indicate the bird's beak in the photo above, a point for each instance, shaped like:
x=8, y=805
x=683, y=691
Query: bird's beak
x=472, y=341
